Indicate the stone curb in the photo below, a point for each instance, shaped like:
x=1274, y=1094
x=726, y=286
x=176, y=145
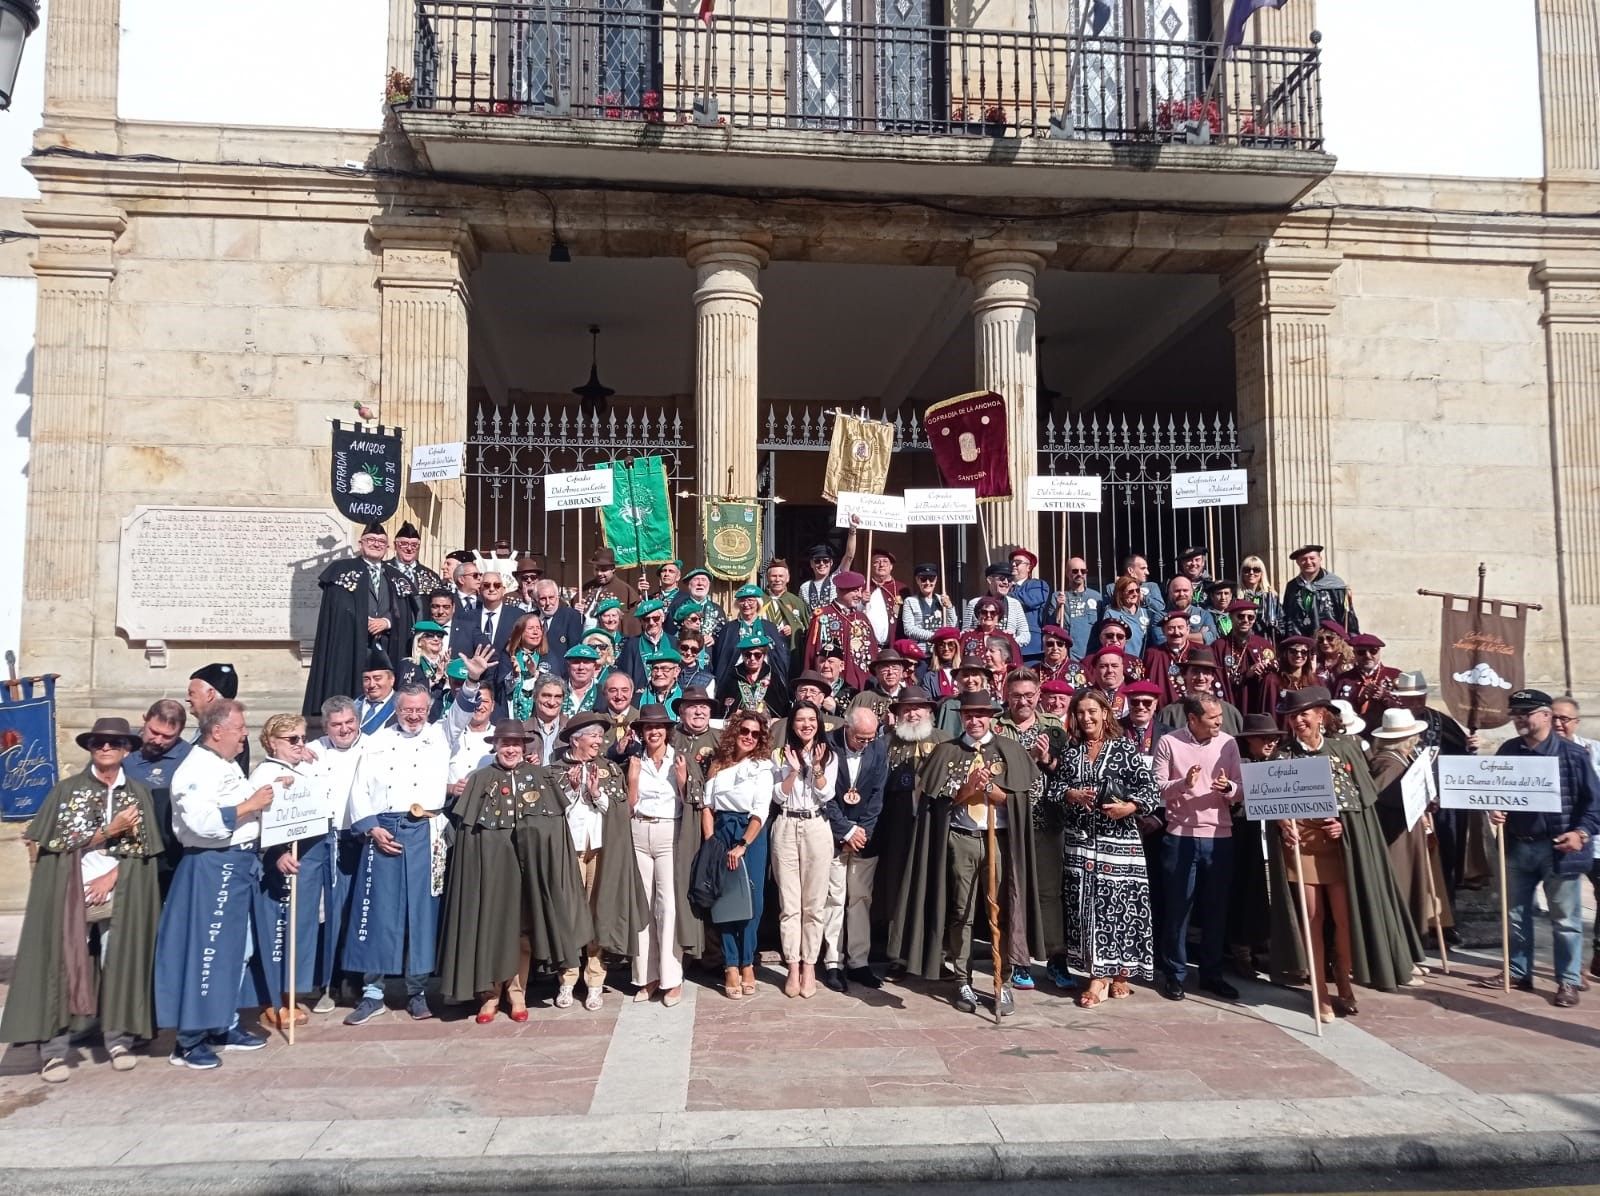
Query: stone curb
x=750, y=1168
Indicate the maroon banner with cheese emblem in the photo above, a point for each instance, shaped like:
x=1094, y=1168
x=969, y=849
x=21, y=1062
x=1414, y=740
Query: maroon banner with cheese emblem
x=970, y=442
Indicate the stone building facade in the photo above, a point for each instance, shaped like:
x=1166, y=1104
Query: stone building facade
x=1414, y=360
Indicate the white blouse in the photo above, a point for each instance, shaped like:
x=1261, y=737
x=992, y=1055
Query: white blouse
x=743, y=788
x=658, y=791
x=806, y=797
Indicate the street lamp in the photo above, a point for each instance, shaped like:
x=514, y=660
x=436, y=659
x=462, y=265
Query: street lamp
x=18, y=18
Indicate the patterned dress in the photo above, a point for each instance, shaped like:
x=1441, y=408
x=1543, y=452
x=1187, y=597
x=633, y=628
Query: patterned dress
x=1105, y=890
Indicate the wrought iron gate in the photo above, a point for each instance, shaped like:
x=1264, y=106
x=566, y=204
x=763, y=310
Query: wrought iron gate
x=511, y=449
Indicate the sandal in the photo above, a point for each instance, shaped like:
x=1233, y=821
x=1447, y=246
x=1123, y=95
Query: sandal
x=730, y=984
x=747, y=981
x=1345, y=1006
x=1093, y=995
x=278, y=1018
x=1121, y=988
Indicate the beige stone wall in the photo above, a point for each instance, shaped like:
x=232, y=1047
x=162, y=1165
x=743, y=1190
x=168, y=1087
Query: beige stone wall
x=233, y=342
x=1441, y=450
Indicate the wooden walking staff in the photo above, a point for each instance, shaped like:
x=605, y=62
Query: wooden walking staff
x=1305, y=931
x=1426, y=864
x=294, y=898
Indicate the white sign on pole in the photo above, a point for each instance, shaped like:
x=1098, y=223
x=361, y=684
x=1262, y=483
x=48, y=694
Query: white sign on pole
x=1064, y=494
x=1529, y=784
x=572, y=491
x=1417, y=788
x=295, y=813
x=939, y=507
x=878, y=512
x=1300, y=788
x=1211, y=488
x=437, y=462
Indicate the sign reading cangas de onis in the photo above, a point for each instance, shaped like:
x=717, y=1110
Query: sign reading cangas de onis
x=365, y=475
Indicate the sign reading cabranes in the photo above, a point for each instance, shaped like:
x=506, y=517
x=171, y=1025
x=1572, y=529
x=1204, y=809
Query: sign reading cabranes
x=577, y=490
x=1300, y=788
x=1530, y=784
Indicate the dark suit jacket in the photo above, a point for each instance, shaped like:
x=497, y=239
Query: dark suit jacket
x=562, y=630
x=871, y=779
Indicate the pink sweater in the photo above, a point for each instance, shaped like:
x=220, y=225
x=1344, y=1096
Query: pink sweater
x=1200, y=812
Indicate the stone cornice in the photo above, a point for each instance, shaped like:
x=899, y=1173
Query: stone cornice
x=1571, y=291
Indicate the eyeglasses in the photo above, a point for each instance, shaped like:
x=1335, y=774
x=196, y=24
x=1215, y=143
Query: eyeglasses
x=473, y=574
x=1564, y=720
x=297, y=740
x=494, y=585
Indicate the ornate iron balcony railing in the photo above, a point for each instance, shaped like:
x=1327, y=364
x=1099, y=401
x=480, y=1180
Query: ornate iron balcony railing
x=625, y=60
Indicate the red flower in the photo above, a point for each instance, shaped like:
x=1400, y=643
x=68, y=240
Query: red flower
x=10, y=739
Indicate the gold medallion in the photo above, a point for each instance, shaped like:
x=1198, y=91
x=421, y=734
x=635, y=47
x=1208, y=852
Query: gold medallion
x=852, y=796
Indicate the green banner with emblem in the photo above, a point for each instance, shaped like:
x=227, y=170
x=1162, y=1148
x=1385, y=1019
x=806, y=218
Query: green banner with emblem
x=731, y=531
x=637, y=525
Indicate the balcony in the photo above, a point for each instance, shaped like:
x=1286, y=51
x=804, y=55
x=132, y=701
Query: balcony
x=622, y=92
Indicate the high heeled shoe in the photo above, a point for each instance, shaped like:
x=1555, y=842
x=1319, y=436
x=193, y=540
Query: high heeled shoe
x=487, y=1010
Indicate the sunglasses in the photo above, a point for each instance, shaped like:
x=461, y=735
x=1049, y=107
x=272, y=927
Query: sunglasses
x=1250, y=569
x=1141, y=701
x=297, y=740
x=101, y=741
x=747, y=733
x=1077, y=571
x=1294, y=651
x=1111, y=637
x=1366, y=651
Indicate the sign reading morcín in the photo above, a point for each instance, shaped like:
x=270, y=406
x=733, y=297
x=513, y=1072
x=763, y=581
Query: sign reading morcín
x=365, y=476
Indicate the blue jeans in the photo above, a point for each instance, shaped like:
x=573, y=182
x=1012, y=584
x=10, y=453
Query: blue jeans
x=1530, y=863
x=739, y=938
x=372, y=985
x=1194, y=870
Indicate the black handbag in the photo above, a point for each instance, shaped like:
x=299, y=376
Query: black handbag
x=1112, y=791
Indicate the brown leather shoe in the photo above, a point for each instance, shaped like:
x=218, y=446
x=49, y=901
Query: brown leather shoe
x=1566, y=996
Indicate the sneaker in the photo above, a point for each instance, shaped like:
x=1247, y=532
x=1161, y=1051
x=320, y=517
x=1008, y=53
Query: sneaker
x=564, y=997
x=200, y=1057
x=1059, y=976
x=122, y=1058
x=1218, y=987
x=1021, y=977
x=325, y=1003
x=239, y=1039
x=1008, y=1004
x=966, y=1000
x=417, y=1007
x=366, y=1009
x=55, y=1071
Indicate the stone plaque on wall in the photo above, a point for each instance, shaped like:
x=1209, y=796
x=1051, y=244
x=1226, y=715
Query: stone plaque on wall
x=224, y=573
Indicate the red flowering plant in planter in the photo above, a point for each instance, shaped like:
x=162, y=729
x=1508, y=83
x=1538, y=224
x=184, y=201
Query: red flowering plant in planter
x=1255, y=130
x=991, y=116
x=1172, y=115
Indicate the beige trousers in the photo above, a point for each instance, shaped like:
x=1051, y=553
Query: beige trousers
x=802, y=851
x=594, y=964
x=656, y=959
x=847, y=918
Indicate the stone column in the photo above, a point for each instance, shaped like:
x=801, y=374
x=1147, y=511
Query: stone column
x=425, y=262
x=1569, y=86
x=74, y=265
x=1282, y=300
x=1571, y=322
x=727, y=310
x=81, y=43
x=1004, y=353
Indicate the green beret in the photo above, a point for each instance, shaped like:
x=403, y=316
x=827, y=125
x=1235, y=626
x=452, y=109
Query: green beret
x=667, y=654
x=427, y=627
x=607, y=604
x=697, y=571
x=456, y=670
x=648, y=607
x=610, y=636
x=691, y=607
x=754, y=640
x=678, y=565
x=582, y=652
x=749, y=591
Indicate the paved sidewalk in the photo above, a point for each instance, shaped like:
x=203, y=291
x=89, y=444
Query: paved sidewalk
x=886, y=1084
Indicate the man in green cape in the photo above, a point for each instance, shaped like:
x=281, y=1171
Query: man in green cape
x=89, y=933
x=961, y=785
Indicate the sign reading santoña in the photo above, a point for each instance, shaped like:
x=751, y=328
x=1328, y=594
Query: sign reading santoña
x=224, y=573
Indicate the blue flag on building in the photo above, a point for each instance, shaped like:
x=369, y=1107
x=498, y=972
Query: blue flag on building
x=1099, y=14
x=1239, y=16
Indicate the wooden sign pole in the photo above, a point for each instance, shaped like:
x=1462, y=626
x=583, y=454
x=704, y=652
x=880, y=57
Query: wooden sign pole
x=294, y=897
x=1434, y=908
x=1305, y=931
x=1505, y=917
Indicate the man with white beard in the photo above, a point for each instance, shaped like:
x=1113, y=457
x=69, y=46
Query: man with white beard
x=911, y=738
